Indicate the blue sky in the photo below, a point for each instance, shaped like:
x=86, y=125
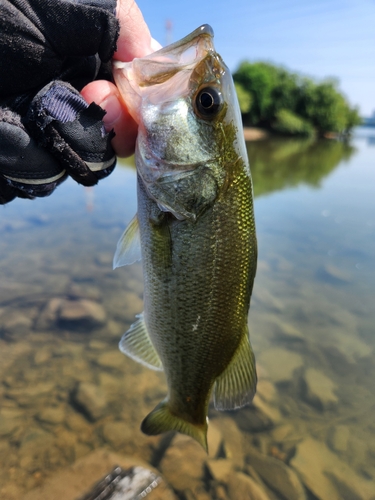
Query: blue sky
x=318, y=38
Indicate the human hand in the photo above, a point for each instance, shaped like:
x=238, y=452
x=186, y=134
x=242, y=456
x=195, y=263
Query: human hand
x=48, y=132
x=134, y=41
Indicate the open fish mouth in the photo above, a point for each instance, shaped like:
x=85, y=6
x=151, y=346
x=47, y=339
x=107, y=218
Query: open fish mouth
x=174, y=56
x=169, y=63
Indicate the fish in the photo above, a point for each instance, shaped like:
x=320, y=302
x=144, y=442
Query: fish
x=194, y=231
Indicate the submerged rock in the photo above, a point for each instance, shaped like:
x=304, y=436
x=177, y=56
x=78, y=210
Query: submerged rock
x=42, y=356
x=241, y=486
x=183, y=464
x=254, y=419
x=233, y=446
x=346, y=488
x=104, y=259
x=339, y=438
x=268, y=411
x=199, y=494
x=111, y=359
x=309, y=461
x=352, y=347
x=77, y=291
x=79, y=314
x=89, y=399
x=266, y=299
x=266, y=390
x=28, y=394
x=52, y=415
x=214, y=440
x=14, y=323
x=220, y=469
x=7, y=426
x=328, y=477
x=118, y=434
x=124, y=306
x=318, y=389
x=98, y=345
x=334, y=275
x=289, y=333
x=49, y=314
x=277, y=475
x=35, y=443
x=280, y=364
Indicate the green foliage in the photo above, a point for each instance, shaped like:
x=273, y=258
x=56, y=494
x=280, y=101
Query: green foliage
x=245, y=98
x=290, y=104
x=323, y=106
x=288, y=123
x=353, y=118
x=258, y=80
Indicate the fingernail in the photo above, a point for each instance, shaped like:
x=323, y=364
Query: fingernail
x=113, y=109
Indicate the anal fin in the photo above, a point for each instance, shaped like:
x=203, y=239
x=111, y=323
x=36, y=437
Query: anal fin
x=236, y=386
x=137, y=344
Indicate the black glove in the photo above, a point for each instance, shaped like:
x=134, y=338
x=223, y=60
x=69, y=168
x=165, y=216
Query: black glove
x=50, y=49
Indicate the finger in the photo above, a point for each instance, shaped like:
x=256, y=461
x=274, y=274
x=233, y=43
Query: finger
x=117, y=117
x=135, y=38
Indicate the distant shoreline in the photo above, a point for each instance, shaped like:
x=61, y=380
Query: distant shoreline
x=258, y=134
x=255, y=134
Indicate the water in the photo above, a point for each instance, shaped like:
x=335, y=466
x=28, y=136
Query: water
x=66, y=391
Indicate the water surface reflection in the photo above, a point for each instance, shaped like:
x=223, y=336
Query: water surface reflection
x=66, y=391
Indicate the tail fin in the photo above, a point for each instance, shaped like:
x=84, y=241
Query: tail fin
x=162, y=420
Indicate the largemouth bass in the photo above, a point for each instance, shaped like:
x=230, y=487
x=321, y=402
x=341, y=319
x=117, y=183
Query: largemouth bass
x=195, y=227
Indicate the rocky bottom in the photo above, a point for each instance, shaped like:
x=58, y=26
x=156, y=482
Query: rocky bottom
x=71, y=405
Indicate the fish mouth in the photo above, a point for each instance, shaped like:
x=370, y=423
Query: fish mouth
x=174, y=51
x=133, y=78
x=180, y=55
x=190, y=39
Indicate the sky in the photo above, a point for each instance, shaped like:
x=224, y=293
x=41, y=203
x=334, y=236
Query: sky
x=316, y=38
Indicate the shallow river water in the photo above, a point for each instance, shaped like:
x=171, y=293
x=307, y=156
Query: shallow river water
x=68, y=396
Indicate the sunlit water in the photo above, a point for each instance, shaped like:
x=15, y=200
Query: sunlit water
x=63, y=310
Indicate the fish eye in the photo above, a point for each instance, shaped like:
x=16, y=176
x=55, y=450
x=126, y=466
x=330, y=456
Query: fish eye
x=208, y=102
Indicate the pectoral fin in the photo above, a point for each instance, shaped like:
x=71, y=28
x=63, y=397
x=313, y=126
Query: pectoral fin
x=136, y=344
x=128, y=248
x=236, y=385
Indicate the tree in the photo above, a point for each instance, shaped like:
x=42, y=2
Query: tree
x=288, y=123
x=290, y=104
x=245, y=99
x=258, y=79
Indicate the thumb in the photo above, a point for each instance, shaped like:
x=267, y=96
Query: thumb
x=117, y=117
x=135, y=38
